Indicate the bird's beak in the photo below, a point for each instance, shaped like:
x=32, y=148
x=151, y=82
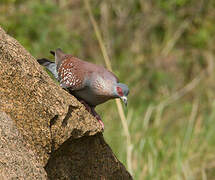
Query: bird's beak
x=124, y=99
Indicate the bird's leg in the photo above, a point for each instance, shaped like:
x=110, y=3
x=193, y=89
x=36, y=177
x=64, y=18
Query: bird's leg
x=86, y=106
x=92, y=111
x=97, y=117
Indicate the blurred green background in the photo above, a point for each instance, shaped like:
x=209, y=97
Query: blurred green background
x=163, y=49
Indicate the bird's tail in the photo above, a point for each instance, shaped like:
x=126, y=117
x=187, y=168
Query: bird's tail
x=51, y=66
x=44, y=61
x=52, y=52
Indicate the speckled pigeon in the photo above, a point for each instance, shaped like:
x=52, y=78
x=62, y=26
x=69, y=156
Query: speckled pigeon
x=90, y=83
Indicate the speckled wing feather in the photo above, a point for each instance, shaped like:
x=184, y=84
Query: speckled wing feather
x=71, y=74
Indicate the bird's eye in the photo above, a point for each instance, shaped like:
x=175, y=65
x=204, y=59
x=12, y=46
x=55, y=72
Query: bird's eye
x=119, y=91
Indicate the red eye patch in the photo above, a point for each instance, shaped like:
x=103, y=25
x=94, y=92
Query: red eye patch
x=119, y=91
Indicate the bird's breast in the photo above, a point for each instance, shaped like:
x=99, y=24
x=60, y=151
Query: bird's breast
x=91, y=97
x=102, y=86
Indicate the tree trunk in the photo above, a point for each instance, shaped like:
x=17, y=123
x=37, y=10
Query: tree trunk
x=50, y=123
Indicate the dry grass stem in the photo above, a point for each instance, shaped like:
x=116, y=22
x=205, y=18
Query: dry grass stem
x=180, y=93
x=190, y=125
x=119, y=105
x=147, y=116
x=171, y=43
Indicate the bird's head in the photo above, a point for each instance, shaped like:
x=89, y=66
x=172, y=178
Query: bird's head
x=122, y=91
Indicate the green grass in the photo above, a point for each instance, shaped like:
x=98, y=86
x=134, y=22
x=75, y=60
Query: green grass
x=157, y=48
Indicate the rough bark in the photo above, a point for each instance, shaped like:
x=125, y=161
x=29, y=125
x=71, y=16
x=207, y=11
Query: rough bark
x=51, y=123
x=16, y=158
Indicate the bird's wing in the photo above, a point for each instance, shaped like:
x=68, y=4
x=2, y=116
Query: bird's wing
x=71, y=74
x=77, y=74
